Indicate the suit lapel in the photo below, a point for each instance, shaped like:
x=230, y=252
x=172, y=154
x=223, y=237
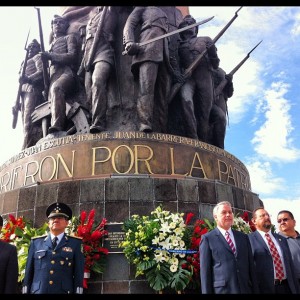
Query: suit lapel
x=261, y=240
x=62, y=242
x=48, y=241
x=222, y=239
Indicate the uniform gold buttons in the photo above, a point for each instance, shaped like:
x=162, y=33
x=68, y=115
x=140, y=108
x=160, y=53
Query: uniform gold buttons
x=51, y=272
x=50, y=282
x=52, y=262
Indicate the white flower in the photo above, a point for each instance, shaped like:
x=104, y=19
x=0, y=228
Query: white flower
x=159, y=257
x=175, y=242
x=155, y=241
x=173, y=268
x=172, y=225
x=174, y=261
x=165, y=227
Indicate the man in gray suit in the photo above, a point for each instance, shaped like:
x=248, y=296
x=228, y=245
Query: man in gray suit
x=226, y=269
x=268, y=280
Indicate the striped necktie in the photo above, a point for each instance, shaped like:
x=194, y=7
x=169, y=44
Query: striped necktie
x=279, y=274
x=230, y=242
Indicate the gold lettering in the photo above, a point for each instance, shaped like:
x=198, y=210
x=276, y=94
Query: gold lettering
x=34, y=165
x=194, y=167
x=47, y=168
x=94, y=161
x=114, y=159
x=173, y=164
x=231, y=175
x=14, y=176
x=60, y=159
x=5, y=183
x=146, y=159
x=221, y=166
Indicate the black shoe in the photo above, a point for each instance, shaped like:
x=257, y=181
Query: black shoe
x=145, y=128
x=96, y=129
x=53, y=129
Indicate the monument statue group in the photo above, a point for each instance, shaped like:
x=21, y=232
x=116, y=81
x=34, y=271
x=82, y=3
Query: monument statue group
x=125, y=110
x=111, y=68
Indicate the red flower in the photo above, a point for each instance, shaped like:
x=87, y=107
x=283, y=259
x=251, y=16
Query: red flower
x=92, y=240
x=9, y=229
x=245, y=217
x=189, y=218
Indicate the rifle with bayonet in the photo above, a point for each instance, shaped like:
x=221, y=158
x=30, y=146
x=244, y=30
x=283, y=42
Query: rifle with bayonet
x=188, y=72
x=170, y=34
x=16, y=108
x=223, y=83
x=93, y=49
x=45, y=62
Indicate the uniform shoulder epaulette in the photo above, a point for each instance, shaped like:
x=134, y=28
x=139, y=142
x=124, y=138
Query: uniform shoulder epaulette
x=39, y=236
x=75, y=237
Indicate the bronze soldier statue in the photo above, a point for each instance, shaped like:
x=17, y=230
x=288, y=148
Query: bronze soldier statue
x=149, y=64
x=219, y=111
x=63, y=66
x=31, y=93
x=197, y=93
x=98, y=62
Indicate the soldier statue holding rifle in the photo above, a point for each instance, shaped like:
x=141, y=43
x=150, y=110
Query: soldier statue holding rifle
x=31, y=83
x=197, y=92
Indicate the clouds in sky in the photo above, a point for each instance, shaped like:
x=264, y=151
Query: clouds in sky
x=264, y=110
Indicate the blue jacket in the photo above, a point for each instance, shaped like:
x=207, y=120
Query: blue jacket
x=264, y=263
x=58, y=271
x=220, y=271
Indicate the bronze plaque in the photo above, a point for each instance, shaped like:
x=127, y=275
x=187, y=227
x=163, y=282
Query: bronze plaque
x=115, y=236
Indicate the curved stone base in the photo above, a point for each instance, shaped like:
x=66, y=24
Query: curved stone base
x=120, y=177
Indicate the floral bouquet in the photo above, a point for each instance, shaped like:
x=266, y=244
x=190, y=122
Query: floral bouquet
x=193, y=240
x=92, y=238
x=19, y=233
x=156, y=246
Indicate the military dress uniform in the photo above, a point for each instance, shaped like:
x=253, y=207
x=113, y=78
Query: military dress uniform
x=55, y=269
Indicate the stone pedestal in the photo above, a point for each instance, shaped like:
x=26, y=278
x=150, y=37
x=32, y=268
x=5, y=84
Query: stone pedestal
x=121, y=174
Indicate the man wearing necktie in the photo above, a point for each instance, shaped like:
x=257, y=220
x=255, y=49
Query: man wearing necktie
x=274, y=268
x=55, y=263
x=226, y=261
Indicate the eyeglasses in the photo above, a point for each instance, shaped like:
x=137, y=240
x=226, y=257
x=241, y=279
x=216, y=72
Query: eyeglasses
x=284, y=220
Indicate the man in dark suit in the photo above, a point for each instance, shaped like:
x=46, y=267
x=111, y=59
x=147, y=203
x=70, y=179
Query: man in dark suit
x=286, y=225
x=9, y=269
x=226, y=269
x=55, y=267
x=269, y=279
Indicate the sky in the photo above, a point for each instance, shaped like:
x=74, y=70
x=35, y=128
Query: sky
x=264, y=124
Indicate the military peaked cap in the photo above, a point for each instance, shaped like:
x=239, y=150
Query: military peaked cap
x=58, y=209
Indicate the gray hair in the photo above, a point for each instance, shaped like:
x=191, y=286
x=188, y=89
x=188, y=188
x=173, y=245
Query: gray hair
x=216, y=208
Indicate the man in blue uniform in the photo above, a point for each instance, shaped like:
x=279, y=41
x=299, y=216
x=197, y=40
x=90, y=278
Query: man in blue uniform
x=55, y=267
